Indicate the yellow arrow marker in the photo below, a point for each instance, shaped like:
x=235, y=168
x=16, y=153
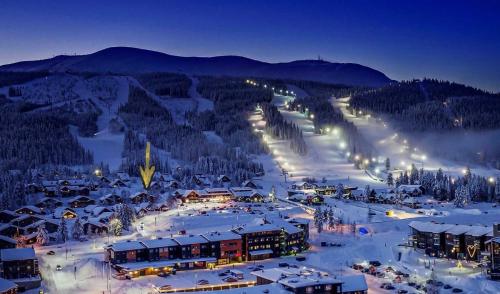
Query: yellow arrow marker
x=147, y=172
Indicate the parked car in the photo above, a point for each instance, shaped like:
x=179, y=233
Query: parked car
x=163, y=274
x=222, y=274
x=51, y=252
x=283, y=264
x=202, y=282
x=457, y=290
x=300, y=258
x=447, y=286
x=375, y=263
x=119, y=276
x=230, y=280
x=58, y=268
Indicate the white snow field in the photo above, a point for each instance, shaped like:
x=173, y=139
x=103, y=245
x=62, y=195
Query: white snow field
x=325, y=157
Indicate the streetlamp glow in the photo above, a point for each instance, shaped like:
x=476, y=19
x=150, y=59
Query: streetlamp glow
x=311, y=116
x=491, y=180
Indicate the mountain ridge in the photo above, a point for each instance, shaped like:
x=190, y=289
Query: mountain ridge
x=135, y=60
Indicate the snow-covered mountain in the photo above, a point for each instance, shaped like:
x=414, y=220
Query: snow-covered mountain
x=133, y=60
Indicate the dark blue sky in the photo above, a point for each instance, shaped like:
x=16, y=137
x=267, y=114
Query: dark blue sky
x=454, y=40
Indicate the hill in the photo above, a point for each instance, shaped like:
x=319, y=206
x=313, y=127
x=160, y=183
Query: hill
x=133, y=60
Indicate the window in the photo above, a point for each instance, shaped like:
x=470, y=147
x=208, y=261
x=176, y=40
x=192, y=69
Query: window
x=309, y=290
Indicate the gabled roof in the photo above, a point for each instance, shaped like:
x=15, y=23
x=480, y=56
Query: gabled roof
x=30, y=207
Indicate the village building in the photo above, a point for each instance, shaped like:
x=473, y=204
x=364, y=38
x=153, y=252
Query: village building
x=201, y=180
x=20, y=265
x=299, y=280
x=64, y=212
x=111, y=199
x=80, y=201
x=225, y=246
x=259, y=241
x=48, y=203
x=138, y=197
x=247, y=195
x=29, y=209
x=94, y=227
x=250, y=184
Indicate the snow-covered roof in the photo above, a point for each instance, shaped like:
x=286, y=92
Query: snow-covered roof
x=47, y=183
x=288, y=227
x=257, y=228
x=7, y=239
x=127, y=245
x=79, y=198
x=408, y=188
x=458, y=230
x=32, y=208
x=430, y=227
x=221, y=236
x=6, y=285
x=158, y=243
x=246, y=193
x=17, y=254
x=98, y=210
x=353, y=283
x=10, y=212
x=190, y=239
x=217, y=191
x=478, y=231
x=295, y=278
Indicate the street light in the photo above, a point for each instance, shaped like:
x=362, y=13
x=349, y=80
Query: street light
x=311, y=116
x=491, y=180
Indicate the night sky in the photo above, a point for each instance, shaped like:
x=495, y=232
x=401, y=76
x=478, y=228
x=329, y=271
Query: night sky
x=453, y=40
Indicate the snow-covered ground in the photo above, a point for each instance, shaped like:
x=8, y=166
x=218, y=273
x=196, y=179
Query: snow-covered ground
x=325, y=156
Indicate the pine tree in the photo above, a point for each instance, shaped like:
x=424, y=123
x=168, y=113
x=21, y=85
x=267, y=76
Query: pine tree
x=77, y=231
x=387, y=164
x=42, y=236
x=339, y=191
x=62, y=231
x=390, y=179
x=116, y=226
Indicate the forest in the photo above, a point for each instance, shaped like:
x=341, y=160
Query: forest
x=144, y=116
x=233, y=101
x=14, y=78
x=429, y=104
x=166, y=84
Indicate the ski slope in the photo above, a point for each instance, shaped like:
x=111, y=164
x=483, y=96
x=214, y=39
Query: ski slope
x=324, y=159
x=397, y=148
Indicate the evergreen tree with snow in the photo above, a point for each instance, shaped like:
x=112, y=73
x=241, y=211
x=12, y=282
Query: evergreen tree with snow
x=413, y=175
x=367, y=192
x=339, y=191
x=42, y=236
x=62, y=231
x=77, y=230
x=387, y=164
x=390, y=179
x=462, y=196
x=115, y=226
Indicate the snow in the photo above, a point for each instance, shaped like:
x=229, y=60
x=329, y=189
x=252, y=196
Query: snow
x=17, y=254
x=191, y=239
x=221, y=236
x=202, y=104
x=393, y=145
x=6, y=285
x=260, y=252
x=352, y=283
x=128, y=245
